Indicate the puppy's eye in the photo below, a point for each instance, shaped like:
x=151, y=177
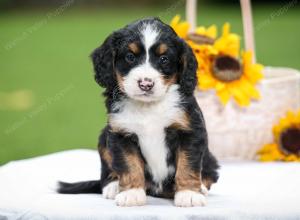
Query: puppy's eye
x=163, y=60
x=130, y=58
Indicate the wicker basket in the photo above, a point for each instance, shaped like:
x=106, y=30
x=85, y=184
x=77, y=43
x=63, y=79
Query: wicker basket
x=237, y=133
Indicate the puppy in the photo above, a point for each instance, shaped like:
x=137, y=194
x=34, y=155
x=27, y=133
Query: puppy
x=155, y=142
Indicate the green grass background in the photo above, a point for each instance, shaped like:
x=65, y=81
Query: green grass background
x=53, y=63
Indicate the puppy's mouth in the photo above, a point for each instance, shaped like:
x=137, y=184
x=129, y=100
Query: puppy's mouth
x=146, y=94
x=145, y=97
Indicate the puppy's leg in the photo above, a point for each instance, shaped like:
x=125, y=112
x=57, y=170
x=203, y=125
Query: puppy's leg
x=132, y=182
x=109, y=179
x=127, y=163
x=209, y=172
x=188, y=181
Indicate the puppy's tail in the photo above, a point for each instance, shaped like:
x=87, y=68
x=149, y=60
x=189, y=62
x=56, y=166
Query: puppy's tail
x=93, y=186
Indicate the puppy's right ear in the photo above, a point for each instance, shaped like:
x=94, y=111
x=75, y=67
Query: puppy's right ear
x=103, y=60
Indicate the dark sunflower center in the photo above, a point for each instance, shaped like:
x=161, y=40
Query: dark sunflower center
x=290, y=140
x=200, y=39
x=226, y=68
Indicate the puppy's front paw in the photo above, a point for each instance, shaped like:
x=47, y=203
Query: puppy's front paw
x=111, y=190
x=188, y=198
x=131, y=197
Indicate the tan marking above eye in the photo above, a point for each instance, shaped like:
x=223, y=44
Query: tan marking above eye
x=161, y=49
x=134, y=48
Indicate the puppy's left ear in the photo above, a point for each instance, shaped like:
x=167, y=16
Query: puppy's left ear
x=188, y=68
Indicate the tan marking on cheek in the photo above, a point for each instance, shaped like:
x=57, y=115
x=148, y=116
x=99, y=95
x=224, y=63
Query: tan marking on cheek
x=182, y=122
x=169, y=81
x=134, y=48
x=185, y=177
x=161, y=49
x=134, y=178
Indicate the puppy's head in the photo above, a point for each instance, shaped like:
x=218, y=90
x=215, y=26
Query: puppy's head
x=143, y=60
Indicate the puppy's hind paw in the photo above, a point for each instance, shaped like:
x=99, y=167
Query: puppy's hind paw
x=188, y=198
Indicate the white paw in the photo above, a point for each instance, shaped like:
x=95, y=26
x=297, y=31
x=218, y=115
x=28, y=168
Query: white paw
x=111, y=190
x=204, y=190
x=131, y=197
x=188, y=198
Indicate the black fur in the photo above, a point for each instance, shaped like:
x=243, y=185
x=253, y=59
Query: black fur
x=80, y=187
x=109, y=59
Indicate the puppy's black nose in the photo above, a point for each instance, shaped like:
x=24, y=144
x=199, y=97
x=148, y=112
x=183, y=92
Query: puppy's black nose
x=145, y=84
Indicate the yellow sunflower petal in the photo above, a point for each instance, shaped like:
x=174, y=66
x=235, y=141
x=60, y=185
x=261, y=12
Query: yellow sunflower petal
x=241, y=99
x=212, y=31
x=228, y=43
x=224, y=96
x=206, y=82
x=220, y=86
x=267, y=148
x=226, y=29
x=270, y=152
x=201, y=30
x=252, y=71
x=250, y=90
x=175, y=21
x=209, y=32
x=181, y=28
x=290, y=116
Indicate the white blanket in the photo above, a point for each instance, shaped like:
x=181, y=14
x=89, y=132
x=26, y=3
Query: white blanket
x=244, y=191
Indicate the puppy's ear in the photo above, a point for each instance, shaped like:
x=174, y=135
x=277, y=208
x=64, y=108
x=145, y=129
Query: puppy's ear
x=103, y=60
x=188, y=68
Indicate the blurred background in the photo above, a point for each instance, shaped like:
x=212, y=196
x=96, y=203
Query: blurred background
x=48, y=98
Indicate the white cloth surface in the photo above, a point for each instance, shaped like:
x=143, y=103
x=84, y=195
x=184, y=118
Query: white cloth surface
x=248, y=190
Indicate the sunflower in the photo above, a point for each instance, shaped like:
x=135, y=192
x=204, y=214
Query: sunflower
x=286, y=144
x=219, y=64
x=241, y=83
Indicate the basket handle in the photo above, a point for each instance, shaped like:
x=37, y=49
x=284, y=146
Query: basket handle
x=191, y=17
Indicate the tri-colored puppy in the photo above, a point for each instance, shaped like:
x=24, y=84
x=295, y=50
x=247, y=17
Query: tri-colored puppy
x=155, y=142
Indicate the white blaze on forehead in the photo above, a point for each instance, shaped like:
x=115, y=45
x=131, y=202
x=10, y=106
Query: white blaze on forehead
x=150, y=34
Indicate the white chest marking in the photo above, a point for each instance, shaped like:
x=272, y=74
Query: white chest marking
x=148, y=121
